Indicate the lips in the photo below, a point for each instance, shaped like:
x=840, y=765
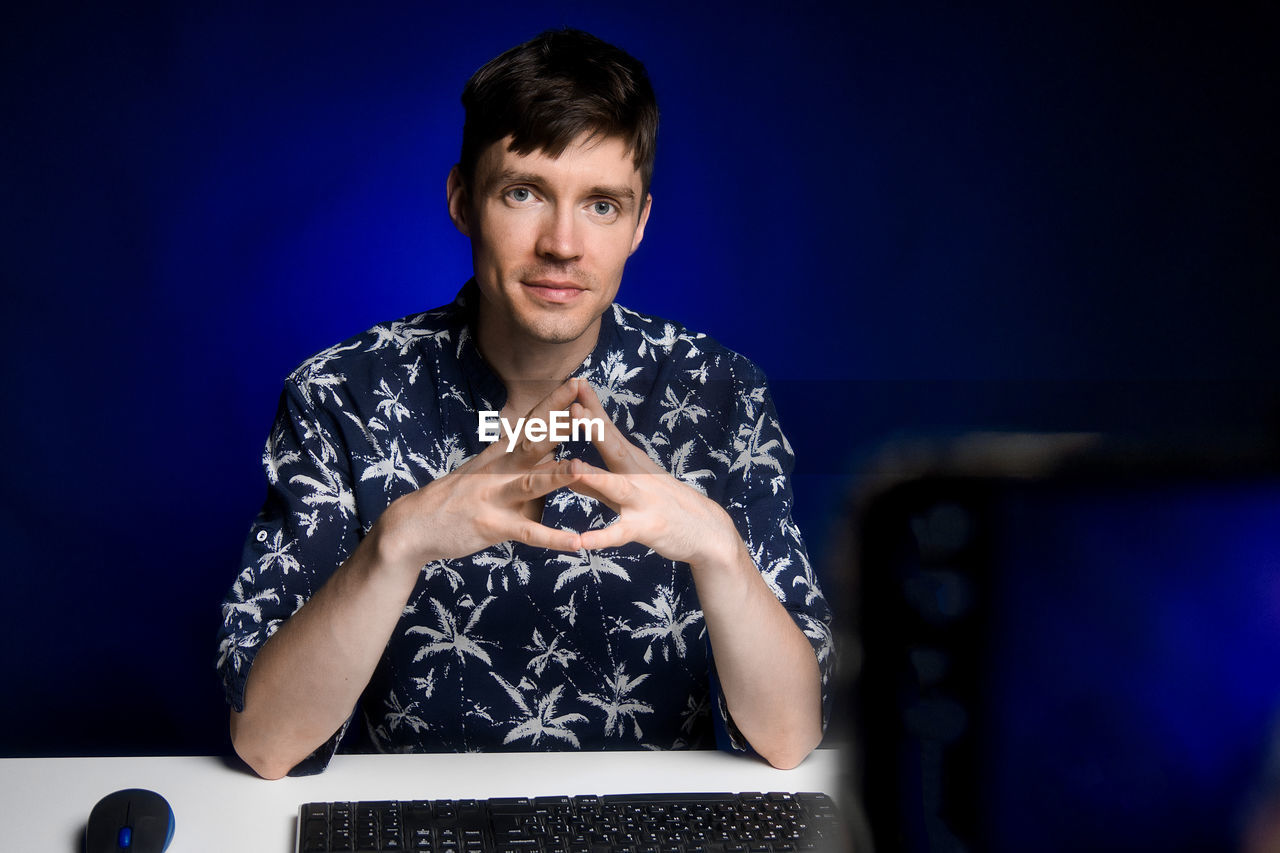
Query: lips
x=551, y=290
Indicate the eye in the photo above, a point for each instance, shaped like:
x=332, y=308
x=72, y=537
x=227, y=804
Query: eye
x=520, y=195
x=603, y=208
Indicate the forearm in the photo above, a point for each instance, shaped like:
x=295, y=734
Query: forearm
x=767, y=668
x=309, y=675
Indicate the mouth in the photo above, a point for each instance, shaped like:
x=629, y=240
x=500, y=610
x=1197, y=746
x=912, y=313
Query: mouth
x=554, y=291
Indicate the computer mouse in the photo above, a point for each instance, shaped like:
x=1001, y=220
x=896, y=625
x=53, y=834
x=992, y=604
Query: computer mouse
x=134, y=820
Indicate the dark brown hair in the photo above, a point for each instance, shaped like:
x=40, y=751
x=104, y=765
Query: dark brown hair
x=547, y=92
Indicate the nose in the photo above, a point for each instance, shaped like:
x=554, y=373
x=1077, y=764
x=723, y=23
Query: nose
x=559, y=238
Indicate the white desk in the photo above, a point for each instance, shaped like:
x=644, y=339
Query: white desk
x=218, y=806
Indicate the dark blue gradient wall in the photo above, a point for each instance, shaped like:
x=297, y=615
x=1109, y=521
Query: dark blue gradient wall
x=914, y=219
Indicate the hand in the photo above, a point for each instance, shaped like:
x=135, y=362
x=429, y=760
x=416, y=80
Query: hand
x=654, y=508
x=484, y=501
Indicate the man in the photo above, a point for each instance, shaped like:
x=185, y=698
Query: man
x=621, y=592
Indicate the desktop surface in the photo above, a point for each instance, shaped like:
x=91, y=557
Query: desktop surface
x=220, y=805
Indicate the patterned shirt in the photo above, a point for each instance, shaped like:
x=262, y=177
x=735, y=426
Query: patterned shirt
x=517, y=647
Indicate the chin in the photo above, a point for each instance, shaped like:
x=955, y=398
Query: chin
x=557, y=334
x=558, y=329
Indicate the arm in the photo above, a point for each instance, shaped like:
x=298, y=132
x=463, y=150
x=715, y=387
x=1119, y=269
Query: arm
x=768, y=670
x=310, y=673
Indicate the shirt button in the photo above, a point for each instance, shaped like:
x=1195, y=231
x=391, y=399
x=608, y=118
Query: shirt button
x=262, y=536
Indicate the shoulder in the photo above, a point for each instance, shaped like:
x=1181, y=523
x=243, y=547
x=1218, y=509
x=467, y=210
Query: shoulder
x=393, y=340
x=700, y=356
x=395, y=347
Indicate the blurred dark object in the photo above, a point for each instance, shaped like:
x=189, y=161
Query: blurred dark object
x=1054, y=642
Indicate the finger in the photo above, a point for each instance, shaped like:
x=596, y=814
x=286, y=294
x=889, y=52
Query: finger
x=618, y=453
x=583, y=489
x=534, y=433
x=557, y=401
x=540, y=536
x=614, y=489
x=619, y=533
x=542, y=480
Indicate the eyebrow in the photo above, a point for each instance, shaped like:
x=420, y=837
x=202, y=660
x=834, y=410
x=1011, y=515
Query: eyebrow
x=512, y=176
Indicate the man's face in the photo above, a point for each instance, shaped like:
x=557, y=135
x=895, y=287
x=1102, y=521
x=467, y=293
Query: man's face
x=549, y=237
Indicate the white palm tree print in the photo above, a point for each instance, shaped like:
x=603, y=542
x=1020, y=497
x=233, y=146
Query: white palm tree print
x=546, y=653
x=591, y=563
x=401, y=714
x=389, y=402
x=680, y=463
x=613, y=392
x=274, y=457
x=277, y=554
x=317, y=385
x=313, y=433
x=667, y=623
x=655, y=344
x=771, y=572
x=447, y=637
x=331, y=491
x=807, y=580
x=680, y=408
x=503, y=564
x=238, y=603
x=695, y=709
x=563, y=499
x=569, y=610
x=310, y=521
x=391, y=467
x=752, y=399
x=404, y=334
x=540, y=720
x=650, y=445
x=617, y=704
x=233, y=650
x=752, y=451
x=820, y=633
x=442, y=567
x=445, y=457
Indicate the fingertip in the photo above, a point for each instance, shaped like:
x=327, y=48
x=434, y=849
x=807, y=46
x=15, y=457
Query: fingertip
x=587, y=471
x=594, y=540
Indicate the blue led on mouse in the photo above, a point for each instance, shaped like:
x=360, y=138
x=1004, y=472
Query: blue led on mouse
x=134, y=820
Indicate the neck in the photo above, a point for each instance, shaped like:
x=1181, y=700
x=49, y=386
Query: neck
x=529, y=368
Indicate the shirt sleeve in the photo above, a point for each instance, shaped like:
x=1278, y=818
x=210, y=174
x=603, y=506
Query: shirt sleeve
x=307, y=527
x=759, y=498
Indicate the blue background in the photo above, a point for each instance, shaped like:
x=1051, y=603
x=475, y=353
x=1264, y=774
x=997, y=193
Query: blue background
x=916, y=219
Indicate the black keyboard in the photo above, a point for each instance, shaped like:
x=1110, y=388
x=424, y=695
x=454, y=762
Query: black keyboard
x=629, y=823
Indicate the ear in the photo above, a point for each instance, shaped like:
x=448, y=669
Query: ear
x=644, y=217
x=456, y=193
